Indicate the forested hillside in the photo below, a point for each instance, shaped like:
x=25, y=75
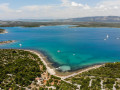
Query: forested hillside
x=106, y=77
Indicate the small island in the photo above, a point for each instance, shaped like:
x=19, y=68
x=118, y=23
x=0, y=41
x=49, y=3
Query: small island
x=2, y=31
x=7, y=42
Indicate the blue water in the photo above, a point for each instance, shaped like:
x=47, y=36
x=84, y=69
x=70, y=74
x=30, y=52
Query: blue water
x=69, y=48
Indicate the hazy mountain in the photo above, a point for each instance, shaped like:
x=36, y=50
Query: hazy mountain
x=96, y=19
x=83, y=19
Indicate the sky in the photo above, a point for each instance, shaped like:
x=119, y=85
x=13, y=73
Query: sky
x=57, y=9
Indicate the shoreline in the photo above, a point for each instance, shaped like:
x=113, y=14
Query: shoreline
x=92, y=26
x=4, y=32
x=7, y=42
x=63, y=75
x=43, y=59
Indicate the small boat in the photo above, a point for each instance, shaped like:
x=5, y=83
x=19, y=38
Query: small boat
x=20, y=45
x=58, y=51
x=105, y=39
x=73, y=54
x=117, y=38
x=107, y=36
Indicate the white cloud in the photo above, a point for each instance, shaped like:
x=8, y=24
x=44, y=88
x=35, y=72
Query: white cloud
x=19, y=11
x=86, y=7
x=5, y=7
x=116, y=7
x=36, y=7
x=107, y=5
x=65, y=2
x=76, y=4
x=101, y=6
x=110, y=3
x=31, y=8
x=80, y=5
x=67, y=9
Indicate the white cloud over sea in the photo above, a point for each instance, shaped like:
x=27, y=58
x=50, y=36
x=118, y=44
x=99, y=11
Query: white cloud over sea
x=66, y=9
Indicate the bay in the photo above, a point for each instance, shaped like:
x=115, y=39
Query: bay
x=68, y=48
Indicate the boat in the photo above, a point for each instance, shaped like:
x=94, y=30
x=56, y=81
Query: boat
x=73, y=54
x=20, y=45
x=105, y=39
x=107, y=36
x=117, y=38
x=58, y=51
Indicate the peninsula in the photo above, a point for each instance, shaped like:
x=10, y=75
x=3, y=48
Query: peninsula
x=25, y=69
x=6, y=42
x=21, y=69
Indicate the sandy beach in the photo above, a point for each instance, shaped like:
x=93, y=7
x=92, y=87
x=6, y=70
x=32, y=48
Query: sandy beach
x=5, y=32
x=62, y=75
x=50, y=70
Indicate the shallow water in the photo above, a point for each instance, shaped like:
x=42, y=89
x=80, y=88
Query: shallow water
x=69, y=48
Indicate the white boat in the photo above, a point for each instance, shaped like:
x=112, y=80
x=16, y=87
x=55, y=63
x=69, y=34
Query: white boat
x=117, y=38
x=58, y=51
x=73, y=54
x=107, y=36
x=20, y=45
x=105, y=39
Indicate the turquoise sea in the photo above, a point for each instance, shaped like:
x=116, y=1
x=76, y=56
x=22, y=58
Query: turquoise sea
x=68, y=48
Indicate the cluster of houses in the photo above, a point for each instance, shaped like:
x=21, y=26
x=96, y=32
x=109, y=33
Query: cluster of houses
x=44, y=80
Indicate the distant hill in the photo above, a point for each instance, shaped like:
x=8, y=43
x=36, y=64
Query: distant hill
x=79, y=19
x=83, y=19
x=96, y=19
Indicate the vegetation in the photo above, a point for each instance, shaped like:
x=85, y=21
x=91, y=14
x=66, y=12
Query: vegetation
x=96, y=84
x=2, y=30
x=66, y=86
x=18, y=68
x=98, y=24
x=108, y=83
x=21, y=70
x=110, y=70
x=109, y=74
x=38, y=24
x=6, y=42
